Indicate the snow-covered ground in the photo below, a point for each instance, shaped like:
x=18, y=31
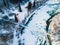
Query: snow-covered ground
x=35, y=33
x=53, y=1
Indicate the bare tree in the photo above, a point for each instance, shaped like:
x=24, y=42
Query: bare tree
x=20, y=10
x=21, y=1
x=4, y=2
x=29, y=7
x=34, y=4
x=16, y=19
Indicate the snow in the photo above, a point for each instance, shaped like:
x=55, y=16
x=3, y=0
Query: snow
x=3, y=32
x=47, y=8
x=15, y=40
x=53, y=1
x=36, y=28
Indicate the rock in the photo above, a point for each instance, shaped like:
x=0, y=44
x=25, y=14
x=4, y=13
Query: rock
x=55, y=30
